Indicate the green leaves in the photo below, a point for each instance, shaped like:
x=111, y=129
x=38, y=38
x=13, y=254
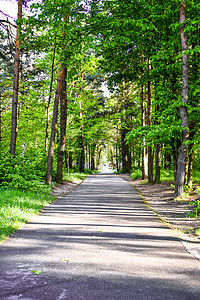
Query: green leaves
x=150, y=135
x=38, y=272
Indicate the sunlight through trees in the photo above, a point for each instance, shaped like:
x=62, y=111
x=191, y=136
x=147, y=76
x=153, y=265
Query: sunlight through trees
x=146, y=54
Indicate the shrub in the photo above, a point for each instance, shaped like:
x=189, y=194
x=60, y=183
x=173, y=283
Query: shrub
x=136, y=175
x=21, y=172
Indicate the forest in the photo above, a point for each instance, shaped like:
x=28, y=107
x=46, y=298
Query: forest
x=91, y=82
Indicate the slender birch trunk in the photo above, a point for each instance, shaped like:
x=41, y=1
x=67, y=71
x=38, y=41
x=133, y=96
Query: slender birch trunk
x=144, y=150
x=182, y=152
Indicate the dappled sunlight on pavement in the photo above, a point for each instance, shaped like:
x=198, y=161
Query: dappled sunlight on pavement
x=98, y=242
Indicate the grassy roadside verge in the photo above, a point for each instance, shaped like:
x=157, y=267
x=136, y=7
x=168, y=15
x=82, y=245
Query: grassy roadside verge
x=76, y=176
x=17, y=206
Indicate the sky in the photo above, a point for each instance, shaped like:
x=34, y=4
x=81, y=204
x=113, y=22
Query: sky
x=9, y=7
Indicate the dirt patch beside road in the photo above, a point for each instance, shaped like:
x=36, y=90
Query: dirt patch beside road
x=160, y=198
x=64, y=188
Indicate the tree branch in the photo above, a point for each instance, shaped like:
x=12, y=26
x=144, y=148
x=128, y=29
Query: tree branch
x=8, y=22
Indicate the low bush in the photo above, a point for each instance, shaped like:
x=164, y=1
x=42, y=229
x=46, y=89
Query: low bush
x=136, y=175
x=196, y=210
x=21, y=172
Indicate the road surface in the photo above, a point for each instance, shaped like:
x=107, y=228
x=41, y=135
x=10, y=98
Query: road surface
x=99, y=242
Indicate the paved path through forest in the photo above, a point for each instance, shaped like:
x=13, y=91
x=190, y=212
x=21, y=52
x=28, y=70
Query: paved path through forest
x=99, y=242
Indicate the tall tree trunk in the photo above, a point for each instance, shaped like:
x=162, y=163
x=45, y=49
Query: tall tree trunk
x=182, y=153
x=92, y=157
x=49, y=100
x=190, y=166
x=89, y=158
x=82, y=153
x=167, y=161
x=130, y=156
x=98, y=158
x=150, y=154
x=16, y=85
x=54, y=128
x=125, y=152
x=92, y=162
x=144, y=150
x=193, y=124
x=175, y=143
x=86, y=155
x=157, y=162
x=63, y=123
x=145, y=162
x=142, y=109
x=157, y=146
x=117, y=164
x=124, y=124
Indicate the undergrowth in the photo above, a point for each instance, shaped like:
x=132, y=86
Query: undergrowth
x=136, y=174
x=195, y=209
x=18, y=206
x=74, y=175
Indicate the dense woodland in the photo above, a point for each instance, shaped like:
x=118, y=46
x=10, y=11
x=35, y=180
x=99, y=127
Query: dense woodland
x=54, y=115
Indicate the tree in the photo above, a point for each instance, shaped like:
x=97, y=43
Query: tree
x=182, y=154
x=49, y=99
x=136, y=46
x=16, y=83
x=63, y=123
x=54, y=125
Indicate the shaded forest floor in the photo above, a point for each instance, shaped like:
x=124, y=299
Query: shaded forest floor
x=160, y=198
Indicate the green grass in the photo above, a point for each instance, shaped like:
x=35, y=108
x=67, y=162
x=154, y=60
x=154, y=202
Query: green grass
x=118, y=172
x=167, y=175
x=136, y=174
x=198, y=231
x=76, y=176
x=17, y=207
x=196, y=176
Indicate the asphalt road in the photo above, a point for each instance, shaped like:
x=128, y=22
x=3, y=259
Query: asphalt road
x=98, y=242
